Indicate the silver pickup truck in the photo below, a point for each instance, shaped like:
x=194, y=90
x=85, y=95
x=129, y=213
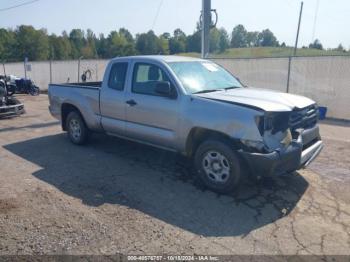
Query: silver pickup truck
x=196, y=108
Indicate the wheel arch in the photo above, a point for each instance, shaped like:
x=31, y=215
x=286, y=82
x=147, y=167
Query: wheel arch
x=66, y=108
x=198, y=134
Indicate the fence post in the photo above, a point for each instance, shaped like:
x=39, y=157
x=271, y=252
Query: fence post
x=50, y=71
x=289, y=68
x=25, y=67
x=3, y=65
x=96, y=68
x=78, y=70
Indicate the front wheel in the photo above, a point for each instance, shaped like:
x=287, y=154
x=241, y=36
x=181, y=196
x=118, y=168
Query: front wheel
x=78, y=133
x=34, y=90
x=217, y=166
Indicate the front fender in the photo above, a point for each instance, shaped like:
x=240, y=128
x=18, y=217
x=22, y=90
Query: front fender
x=237, y=122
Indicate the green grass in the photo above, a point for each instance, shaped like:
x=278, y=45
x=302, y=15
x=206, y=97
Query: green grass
x=269, y=52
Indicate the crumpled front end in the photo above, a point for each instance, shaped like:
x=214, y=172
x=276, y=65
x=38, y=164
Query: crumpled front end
x=290, y=141
x=11, y=107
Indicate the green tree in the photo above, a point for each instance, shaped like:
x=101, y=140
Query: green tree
x=177, y=43
x=239, y=37
x=89, y=49
x=267, y=38
x=60, y=47
x=31, y=43
x=26, y=41
x=340, y=48
x=224, y=42
x=316, y=45
x=118, y=45
x=252, y=39
x=193, y=42
x=164, y=44
x=130, y=47
x=7, y=45
x=148, y=44
x=215, y=36
x=102, y=46
x=127, y=35
x=166, y=35
x=77, y=39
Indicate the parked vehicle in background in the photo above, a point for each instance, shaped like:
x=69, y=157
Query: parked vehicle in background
x=198, y=109
x=26, y=86
x=21, y=85
x=9, y=105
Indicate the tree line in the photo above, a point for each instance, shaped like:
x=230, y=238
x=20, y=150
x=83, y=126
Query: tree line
x=37, y=44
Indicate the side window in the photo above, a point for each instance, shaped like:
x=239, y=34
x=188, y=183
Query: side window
x=117, y=76
x=145, y=78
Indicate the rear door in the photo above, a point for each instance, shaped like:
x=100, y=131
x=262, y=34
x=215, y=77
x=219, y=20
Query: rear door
x=151, y=117
x=112, y=98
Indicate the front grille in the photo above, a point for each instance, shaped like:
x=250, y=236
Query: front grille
x=304, y=118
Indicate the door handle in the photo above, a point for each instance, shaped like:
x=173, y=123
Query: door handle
x=131, y=102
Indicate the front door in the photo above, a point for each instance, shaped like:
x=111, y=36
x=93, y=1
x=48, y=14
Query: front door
x=151, y=117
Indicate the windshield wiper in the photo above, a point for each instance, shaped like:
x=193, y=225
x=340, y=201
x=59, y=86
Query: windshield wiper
x=216, y=90
x=208, y=91
x=231, y=87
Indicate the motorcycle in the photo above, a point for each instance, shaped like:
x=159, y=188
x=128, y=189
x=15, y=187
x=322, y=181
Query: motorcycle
x=20, y=85
x=26, y=86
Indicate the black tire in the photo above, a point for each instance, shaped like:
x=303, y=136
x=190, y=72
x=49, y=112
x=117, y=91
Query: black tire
x=78, y=132
x=34, y=90
x=230, y=176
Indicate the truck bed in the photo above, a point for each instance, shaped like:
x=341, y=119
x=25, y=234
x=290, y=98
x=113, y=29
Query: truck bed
x=84, y=96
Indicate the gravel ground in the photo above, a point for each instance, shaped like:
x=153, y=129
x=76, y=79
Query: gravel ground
x=114, y=196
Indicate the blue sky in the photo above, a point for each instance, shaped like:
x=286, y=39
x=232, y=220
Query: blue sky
x=102, y=16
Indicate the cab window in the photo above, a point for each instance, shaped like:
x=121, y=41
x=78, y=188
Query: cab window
x=146, y=77
x=117, y=76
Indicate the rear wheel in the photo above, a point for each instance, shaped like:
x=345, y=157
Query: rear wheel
x=34, y=90
x=78, y=133
x=217, y=166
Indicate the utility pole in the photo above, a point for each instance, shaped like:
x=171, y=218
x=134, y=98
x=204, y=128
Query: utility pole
x=297, y=38
x=206, y=23
x=295, y=47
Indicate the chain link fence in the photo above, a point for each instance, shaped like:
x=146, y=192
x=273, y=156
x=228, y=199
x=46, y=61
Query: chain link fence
x=325, y=79
x=43, y=73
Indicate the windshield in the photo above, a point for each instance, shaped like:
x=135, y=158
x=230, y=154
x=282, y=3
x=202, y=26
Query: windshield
x=203, y=76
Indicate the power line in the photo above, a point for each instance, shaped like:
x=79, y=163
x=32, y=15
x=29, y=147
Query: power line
x=157, y=14
x=19, y=5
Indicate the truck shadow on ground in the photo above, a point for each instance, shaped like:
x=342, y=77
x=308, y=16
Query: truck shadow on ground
x=157, y=183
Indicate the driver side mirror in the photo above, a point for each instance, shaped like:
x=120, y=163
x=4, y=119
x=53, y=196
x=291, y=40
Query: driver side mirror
x=163, y=88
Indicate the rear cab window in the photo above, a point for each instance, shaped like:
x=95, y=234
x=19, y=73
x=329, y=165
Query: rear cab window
x=117, y=76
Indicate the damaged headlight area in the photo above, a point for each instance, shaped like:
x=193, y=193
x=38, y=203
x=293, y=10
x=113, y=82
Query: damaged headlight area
x=275, y=129
x=276, y=122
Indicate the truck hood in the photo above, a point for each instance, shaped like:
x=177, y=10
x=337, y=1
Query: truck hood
x=267, y=100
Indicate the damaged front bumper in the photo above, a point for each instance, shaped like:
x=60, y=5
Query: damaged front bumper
x=9, y=110
x=300, y=153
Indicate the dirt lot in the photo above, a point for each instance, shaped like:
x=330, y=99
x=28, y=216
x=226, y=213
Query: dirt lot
x=113, y=196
